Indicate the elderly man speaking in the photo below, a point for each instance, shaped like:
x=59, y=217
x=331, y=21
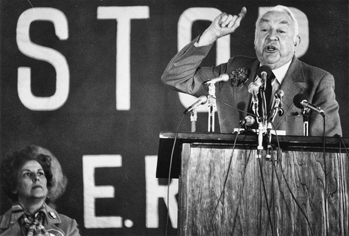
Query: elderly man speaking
x=276, y=37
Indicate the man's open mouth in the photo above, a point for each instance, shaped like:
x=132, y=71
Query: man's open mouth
x=270, y=48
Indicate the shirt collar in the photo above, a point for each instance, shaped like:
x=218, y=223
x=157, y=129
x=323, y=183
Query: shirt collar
x=17, y=212
x=281, y=72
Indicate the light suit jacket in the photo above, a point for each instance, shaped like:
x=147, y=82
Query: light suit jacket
x=184, y=74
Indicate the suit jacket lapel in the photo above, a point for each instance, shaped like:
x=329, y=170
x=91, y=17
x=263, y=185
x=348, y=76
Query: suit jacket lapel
x=253, y=73
x=291, y=86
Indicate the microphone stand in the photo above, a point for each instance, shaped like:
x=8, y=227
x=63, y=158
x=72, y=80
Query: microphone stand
x=271, y=118
x=262, y=122
x=269, y=127
x=261, y=131
x=193, y=119
x=211, y=101
x=305, y=114
x=277, y=109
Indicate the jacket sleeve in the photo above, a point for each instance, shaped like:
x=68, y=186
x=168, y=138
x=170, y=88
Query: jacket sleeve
x=325, y=98
x=184, y=74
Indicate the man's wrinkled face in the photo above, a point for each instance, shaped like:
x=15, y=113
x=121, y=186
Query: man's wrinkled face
x=275, y=39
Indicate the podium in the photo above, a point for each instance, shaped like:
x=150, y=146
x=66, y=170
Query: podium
x=303, y=189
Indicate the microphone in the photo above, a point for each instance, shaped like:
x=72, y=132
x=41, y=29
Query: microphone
x=222, y=77
x=264, y=72
x=301, y=102
x=279, y=94
x=247, y=121
x=278, y=101
x=201, y=100
x=253, y=87
x=277, y=108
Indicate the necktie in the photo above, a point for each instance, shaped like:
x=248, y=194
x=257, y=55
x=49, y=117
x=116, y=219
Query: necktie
x=268, y=94
x=269, y=90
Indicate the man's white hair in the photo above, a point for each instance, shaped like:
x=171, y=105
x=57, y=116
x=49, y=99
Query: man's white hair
x=280, y=8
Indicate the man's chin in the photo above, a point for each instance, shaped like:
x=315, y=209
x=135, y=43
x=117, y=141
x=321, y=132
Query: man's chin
x=271, y=58
x=273, y=63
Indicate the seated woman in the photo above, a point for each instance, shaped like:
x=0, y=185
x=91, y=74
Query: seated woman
x=27, y=179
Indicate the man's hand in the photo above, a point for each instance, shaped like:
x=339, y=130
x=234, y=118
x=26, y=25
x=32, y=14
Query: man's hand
x=222, y=25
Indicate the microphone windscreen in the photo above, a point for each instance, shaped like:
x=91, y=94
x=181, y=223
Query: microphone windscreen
x=279, y=94
x=265, y=69
x=298, y=99
x=253, y=87
x=202, y=99
x=249, y=120
x=224, y=77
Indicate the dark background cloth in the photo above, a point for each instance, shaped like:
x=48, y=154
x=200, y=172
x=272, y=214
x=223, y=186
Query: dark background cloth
x=88, y=123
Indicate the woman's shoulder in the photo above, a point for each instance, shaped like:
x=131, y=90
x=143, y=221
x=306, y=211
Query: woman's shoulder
x=65, y=223
x=55, y=216
x=5, y=219
x=66, y=219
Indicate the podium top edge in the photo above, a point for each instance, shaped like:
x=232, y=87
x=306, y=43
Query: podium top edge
x=228, y=137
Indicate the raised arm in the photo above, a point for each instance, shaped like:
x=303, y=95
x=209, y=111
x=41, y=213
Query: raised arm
x=222, y=25
x=183, y=73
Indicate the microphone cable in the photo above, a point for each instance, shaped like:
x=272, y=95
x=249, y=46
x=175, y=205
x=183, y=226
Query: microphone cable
x=234, y=108
x=340, y=144
x=226, y=176
x=283, y=174
x=325, y=174
x=169, y=173
x=237, y=109
x=342, y=179
x=265, y=195
x=260, y=167
x=287, y=184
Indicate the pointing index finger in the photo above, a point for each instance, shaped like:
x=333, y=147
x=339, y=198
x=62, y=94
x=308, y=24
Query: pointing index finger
x=242, y=12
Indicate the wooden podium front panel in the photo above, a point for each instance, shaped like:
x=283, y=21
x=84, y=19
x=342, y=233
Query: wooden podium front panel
x=302, y=193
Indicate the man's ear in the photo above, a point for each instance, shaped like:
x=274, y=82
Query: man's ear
x=297, y=41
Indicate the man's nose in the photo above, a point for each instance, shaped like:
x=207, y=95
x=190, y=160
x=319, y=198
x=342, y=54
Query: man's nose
x=273, y=35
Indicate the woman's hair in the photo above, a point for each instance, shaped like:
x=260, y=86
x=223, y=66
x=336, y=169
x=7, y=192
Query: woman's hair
x=13, y=162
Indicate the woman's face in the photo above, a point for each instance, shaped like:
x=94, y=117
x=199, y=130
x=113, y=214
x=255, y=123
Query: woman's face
x=31, y=181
